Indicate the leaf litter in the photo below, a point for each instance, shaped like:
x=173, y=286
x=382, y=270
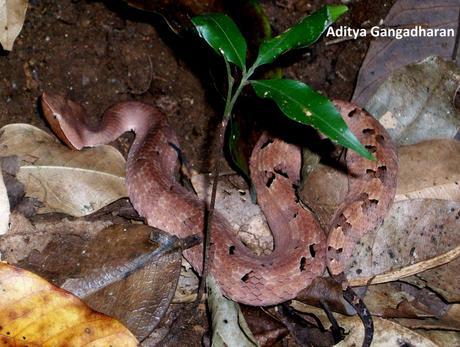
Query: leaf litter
x=63, y=180
x=409, y=198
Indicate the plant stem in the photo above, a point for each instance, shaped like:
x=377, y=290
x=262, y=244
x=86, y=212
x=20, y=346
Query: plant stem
x=207, y=232
x=229, y=104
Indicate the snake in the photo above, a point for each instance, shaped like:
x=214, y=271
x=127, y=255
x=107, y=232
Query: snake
x=303, y=249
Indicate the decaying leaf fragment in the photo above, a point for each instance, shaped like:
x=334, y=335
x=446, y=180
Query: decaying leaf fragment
x=72, y=182
x=36, y=313
x=12, y=15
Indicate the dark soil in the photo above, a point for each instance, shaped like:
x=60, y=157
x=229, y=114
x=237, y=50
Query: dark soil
x=102, y=52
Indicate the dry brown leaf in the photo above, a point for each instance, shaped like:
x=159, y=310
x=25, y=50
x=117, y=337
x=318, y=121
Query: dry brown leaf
x=12, y=15
x=36, y=313
x=410, y=306
x=429, y=170
x=325, y=290
x=444, y=280
x=72, y=182
x=449, y=320
x=386, y=333
x=388, y=54
x=133, y=280
x=415, y=103
x=24, y=237
x=414, y=231
x=266, y=329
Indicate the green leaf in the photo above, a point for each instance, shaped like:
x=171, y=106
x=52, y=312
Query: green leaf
x=304, y=105
x=301, y=35
x=222, y=34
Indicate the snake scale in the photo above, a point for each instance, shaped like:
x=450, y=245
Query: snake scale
x=302, y=248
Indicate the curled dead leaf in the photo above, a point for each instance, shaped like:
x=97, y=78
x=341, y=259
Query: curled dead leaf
x=323, y=190
x=325, y=290
x=266, y=329
x=72, y=182
x=36, y=313
x=449, y=320
x=402, y=300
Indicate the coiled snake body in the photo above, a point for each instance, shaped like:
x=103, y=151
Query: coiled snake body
x=302, y=249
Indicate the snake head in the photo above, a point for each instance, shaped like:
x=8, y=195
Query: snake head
x=66, y=118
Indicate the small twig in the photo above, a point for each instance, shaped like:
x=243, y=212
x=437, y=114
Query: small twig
x=232, y=96
x=207, y=232
x=339, y=40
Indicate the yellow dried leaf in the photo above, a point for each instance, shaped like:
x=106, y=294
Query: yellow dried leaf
x=37, y=313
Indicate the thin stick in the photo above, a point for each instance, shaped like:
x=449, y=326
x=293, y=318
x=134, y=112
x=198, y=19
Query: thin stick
x=408, y=270
x=232, y=96
x=207, y=232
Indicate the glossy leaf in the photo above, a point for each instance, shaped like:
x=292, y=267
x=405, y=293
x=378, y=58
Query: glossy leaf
x=222, y=34
x=303, y=34
x=301, y=103
x=255, y=23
